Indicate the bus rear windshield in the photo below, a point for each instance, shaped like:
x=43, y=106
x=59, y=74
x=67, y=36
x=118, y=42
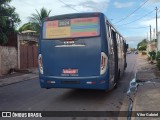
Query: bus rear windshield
x=71, y=28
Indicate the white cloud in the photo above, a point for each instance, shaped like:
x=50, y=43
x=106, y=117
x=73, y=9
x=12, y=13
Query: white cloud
x=26, y=7
x=155, y=1
x=89, y=6
x=134, y=40
x=123, y=5
x=151, y=22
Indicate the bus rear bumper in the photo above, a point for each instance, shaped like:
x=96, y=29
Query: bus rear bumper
x=95, y=82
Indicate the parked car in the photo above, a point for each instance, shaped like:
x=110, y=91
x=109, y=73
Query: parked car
x=136, y=52
x=128, y=52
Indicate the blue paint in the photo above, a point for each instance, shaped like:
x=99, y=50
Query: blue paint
x=86, y=59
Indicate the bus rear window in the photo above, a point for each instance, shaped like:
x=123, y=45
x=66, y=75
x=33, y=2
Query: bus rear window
x=71, y=28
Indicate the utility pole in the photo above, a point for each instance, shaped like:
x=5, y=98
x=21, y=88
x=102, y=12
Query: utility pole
x=156, y=29
x=150, y=41
x=147, y=44
x=150, y=34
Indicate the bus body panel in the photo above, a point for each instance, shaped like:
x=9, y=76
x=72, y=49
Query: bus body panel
x=85, y=59
x=94, y=82
x=82, y=56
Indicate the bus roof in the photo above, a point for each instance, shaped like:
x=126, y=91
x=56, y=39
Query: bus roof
x=73, y=15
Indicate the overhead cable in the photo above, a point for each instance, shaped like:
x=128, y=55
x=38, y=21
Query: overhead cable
x=137, y=27
x=137, y=19
x=133, y=12
x=68, y=5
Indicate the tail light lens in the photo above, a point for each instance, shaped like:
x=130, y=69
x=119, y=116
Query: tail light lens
x=104, y=62
x=40, y=63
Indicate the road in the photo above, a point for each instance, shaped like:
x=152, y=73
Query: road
x=28, y=96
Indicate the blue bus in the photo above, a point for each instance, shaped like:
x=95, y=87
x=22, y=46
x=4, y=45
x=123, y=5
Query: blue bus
x=81, y=50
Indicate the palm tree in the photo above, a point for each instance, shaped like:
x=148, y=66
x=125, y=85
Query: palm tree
x=36, y=19
x=26, y=26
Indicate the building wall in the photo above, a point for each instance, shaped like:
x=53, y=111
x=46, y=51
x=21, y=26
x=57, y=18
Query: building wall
x=8, y=59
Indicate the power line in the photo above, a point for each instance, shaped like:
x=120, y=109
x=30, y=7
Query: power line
x=152, y=18
x=93, y=7
x=132, y=12
x=68, y=5
x=137, y=19
x=90, y=6
x=137, y=27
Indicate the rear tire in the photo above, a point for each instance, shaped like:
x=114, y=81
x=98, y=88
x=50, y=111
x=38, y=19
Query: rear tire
x=117, y=80
x=119, y=74
x=116, y=85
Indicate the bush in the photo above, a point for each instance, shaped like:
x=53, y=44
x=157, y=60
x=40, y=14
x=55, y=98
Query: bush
x=144, y=53
x=149, y=58
x=158, y=64
x=152, y=54
x=158, y=56
x=158, y=59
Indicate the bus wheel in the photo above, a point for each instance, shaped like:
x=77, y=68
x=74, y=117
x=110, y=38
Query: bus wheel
x=116, y=81
x=115, y=85
x=119, y=74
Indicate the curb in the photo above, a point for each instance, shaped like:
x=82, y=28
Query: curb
x=9, y=82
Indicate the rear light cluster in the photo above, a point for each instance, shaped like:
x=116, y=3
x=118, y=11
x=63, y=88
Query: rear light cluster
x=104, y=61
x=40, y=63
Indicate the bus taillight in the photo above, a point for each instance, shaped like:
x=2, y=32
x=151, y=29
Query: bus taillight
x=104, y=61
x=40, y=63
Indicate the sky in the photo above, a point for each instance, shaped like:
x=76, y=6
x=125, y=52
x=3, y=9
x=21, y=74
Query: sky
x=131, y=18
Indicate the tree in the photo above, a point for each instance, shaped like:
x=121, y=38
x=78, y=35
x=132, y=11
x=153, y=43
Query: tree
x=36, y=19
x=26, y=26
x=142, y=45
x=9, y=20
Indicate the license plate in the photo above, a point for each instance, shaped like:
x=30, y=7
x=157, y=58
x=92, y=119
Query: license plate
x=70, y=71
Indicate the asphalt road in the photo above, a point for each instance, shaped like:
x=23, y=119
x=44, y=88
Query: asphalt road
x=28, y=96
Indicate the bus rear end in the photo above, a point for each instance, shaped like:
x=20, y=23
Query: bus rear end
x=70, y=53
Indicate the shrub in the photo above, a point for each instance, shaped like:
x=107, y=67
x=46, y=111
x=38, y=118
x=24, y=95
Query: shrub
x=158, y=64
x=144, y=53
x=152, y=55
x=158, y=59
x=149, y=58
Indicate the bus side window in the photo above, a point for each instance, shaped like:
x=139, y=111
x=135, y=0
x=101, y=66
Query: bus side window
x=114, y=37
x=108, y=30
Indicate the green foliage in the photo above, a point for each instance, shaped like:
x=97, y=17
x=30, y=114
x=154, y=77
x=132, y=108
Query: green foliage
x=149, y=58
x=142, y=48
x=142, y=45
x=26, y=26
x=3, y=39
x=144, y=53
x=158, y=64
x=36, y=19
x=9, y=20
x=154, y=40
x=152, y=55
x=158, y=55
x=158, y=59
